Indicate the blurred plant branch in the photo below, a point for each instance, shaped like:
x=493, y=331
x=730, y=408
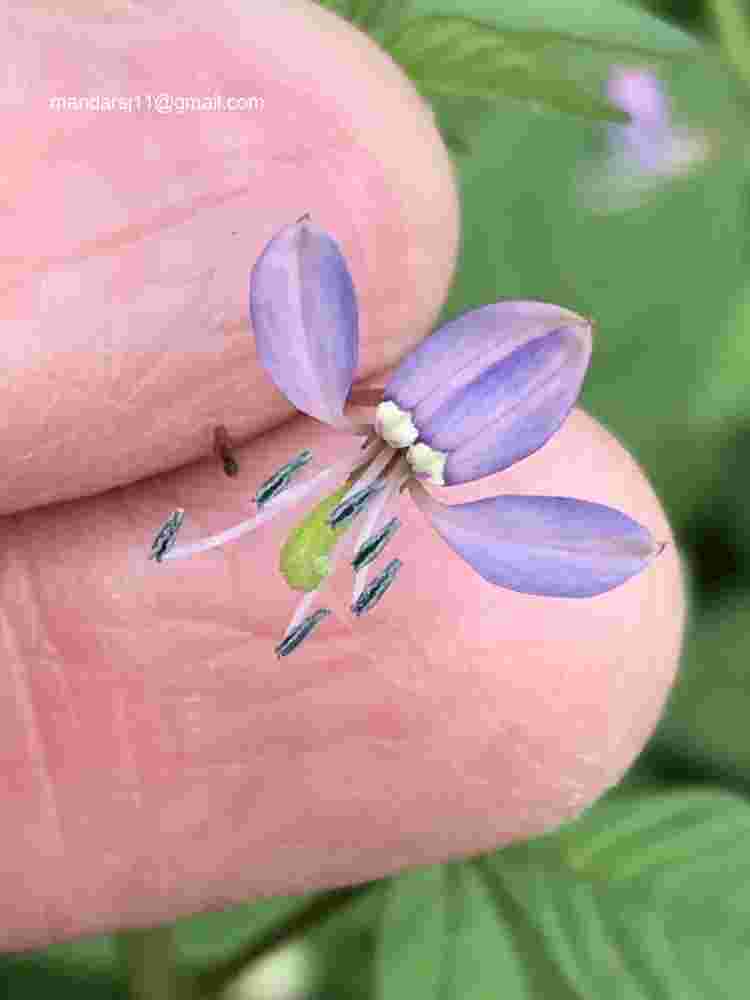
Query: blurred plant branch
x=213, y=981
x=733, y=22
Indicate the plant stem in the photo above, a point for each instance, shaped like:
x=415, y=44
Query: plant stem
x=733, y=22
x=365, y=396
x=214, y=980
x=148, y=956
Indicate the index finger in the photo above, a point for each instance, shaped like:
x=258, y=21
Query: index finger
x=134, y=226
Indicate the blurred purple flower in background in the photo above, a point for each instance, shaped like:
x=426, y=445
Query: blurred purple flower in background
x=646, y=153
x=479, y=394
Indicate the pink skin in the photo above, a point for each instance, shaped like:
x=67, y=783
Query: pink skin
x=132, y=235
x=156, y=757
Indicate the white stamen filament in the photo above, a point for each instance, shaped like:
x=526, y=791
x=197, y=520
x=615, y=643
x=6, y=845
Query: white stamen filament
x=305, y=602
x=371, y=473
x=302, y=610
x=428, y=463
x=397, y=478
x=398, y=475
x=290, y=496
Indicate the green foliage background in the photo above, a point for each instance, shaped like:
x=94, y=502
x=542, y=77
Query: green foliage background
x=648, y=894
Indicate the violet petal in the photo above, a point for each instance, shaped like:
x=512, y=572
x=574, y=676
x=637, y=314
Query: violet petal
x=493, y=385
x=303, y=311
x=640, y=93
x=645, y=143
x=551, y=546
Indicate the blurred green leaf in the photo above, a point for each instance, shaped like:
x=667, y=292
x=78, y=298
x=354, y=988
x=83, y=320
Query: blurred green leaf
x=611, y=906
x=96, y=953
x=462, y=57
x=378, y=15
x=440, y=939
x=606, y=28
x=30, y=977
x=199, y=940
x=86, y=968
x=210, y=937
x=733, y=21
x=601, y=26
x=658, y=841
x=709, y=708
x=460, y=119
x=374, y=16
x=725, y=395
x=341, y=7
x=615, y=22
x=346, y=946
x=283, y=935
x=624, y=897
x=414, y=936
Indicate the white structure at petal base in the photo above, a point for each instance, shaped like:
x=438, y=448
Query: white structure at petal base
x=428, y=463
x=395, y=425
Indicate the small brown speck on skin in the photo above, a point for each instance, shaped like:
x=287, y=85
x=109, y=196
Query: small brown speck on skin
x=223, y=450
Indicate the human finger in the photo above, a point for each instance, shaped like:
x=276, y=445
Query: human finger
x=159, y=758
x=134, y=224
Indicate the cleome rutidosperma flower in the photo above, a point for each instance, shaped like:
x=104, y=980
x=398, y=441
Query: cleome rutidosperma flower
x=477, y=395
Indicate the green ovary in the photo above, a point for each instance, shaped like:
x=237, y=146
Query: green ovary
x=304, y=561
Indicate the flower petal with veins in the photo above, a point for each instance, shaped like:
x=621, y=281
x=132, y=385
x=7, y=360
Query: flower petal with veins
x=550, y=546
x=304, y=316
x=493, y=385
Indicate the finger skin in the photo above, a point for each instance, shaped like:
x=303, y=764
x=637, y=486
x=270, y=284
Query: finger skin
x=130, y=235
x=158, y=759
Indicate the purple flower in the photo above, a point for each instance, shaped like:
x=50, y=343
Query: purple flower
x=647, y=152
x=478, y=395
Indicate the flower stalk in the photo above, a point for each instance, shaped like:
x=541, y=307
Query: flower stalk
x=149, y=959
